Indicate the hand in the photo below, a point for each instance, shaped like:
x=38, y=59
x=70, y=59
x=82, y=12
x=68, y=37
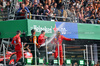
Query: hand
x=20, y=10
x=73, y=39
x=46, y=13
x=25, y=44
x=29, y=50
x=25, y=10
x=38, y=46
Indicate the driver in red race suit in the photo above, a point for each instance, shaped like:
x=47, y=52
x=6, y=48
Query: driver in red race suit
x=16, y=41
x=41, y=40
x=58, y=40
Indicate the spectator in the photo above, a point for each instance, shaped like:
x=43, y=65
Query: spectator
x=77, y=14
x=41, y=9
x=1, y=3
x=28, y=4
x=87, y=15
x=59, y=2
x=98, y=13
x=51, y=11
x=22, y=10
x=46, y=12
x=43, y=2
x=62, y=13
x=8, y=5
x=81, y=15
x=77, y=3
x=85, y=10
x=91, y=8
x=49, y=2
x=92, y=16
x=37, y=13
x=34, y=7
x=52, y=2
x=55, y=10
x=85, y=3
x=98, y=17
x=38, y=1
x=71, y=13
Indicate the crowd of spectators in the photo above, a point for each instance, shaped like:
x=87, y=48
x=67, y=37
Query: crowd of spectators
x=85, y=11
x=88, y=11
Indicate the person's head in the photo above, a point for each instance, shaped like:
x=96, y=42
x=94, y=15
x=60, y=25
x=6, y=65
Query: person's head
x=40, y=4
x=55, y=5
x=93, y=11
x=99, y=10
x=72, y=8
x=49, y=2
x=58, y=33
x=77, y=10
x=87, y=9
x=42, y=7
x=50, y=7
x=52, y=1
x=46, y=7
x=62, y=6
x=43, y=32
x=27, y=1
x=82, y=8
x=18, y=32
x=22, y=5
x=33, y=32
x=99, y=14
x=35, y=2
x=91, y=7
x=8, y=3
x=98, y=5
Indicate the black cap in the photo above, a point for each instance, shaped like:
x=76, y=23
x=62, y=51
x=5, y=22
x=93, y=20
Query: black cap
x=32, y=31
x=18, y=32
x=42, y=31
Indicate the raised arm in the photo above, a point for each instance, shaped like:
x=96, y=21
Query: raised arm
x=67, y=39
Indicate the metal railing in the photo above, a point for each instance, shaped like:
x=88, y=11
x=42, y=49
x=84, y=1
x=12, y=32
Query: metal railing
x=84, y=52
x=3, y=14
x=88, y=53
x=3, y=54
x=55, y=18
x=8, y=16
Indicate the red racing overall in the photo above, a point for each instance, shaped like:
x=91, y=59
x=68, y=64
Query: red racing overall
x=41, y=39
x=55, y=41
x=16, y=41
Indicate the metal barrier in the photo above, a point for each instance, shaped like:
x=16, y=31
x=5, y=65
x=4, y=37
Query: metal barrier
x=4, y=60
x=4, y=14
x=84, y=52
x=4, y=55
x=41, y=17
x=87, y=53
x=56, y=18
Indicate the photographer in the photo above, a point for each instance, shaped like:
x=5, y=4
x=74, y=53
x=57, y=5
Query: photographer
x=22, y=11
